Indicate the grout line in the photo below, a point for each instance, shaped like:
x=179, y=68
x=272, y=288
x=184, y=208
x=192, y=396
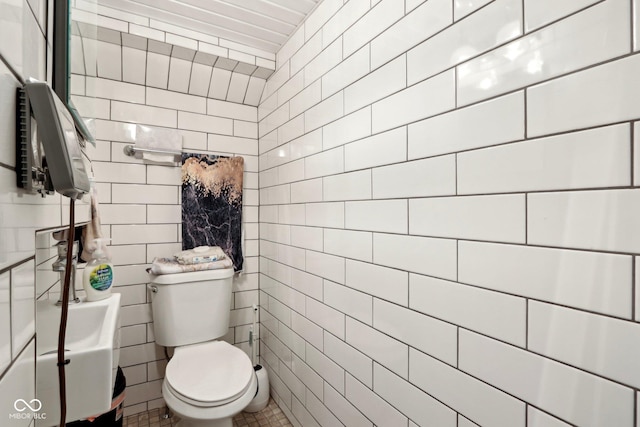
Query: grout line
x=456, y=173
x=455, y=88
x=457, y=348
x=634, y=286
x=6, y=166
x=633, y=154
x=146, y=63
x=457, y=260
x=13, y=71
x=121, y=51
x=632, y=25
x=191, y=77
x=13, y=361
x=445, y=196
x=526, y=324
x=168, y=71
x=635, y=408
x=524, y=19
x=408, y=204
x=526, y=114
x=19, y=263
x=35, y=18
x=526, y=218
x=207, y=94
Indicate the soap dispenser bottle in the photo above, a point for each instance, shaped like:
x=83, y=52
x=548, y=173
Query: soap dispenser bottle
x=98, y=274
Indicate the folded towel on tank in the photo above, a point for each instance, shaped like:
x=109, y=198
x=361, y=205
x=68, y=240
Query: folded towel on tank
x=171, y=266
x=200, y=254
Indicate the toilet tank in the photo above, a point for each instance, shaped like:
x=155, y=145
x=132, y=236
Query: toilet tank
x=191, y=307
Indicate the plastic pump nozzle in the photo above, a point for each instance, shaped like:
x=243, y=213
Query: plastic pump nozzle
x=98, y=252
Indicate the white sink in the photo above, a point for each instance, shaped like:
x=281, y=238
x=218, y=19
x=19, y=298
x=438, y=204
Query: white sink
x=92, y=344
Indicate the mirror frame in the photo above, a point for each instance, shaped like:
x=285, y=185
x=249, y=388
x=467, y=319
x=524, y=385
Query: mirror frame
x=61, y=63
x=61, y=54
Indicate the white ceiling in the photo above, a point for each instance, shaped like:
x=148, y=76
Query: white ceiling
x=262, y=24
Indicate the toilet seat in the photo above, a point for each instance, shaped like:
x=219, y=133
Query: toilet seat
x=209, y=374
x=212, y=414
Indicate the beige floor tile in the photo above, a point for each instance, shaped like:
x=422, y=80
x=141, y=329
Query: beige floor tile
x=271, y=416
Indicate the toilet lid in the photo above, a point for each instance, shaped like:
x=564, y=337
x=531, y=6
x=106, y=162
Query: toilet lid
x=208, y=373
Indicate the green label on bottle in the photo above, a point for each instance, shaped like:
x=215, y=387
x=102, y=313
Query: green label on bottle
x=101, y=277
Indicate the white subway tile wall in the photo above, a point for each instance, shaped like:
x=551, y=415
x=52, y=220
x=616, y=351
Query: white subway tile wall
x=447, y=206
x=451, y=186
x=140, y=203
x=25, y=40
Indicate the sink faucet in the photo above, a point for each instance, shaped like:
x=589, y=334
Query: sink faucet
x=61, y=263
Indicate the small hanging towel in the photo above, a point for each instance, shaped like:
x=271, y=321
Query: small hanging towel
x=212, y=204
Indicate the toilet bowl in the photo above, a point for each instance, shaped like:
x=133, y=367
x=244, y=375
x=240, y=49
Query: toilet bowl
x=207, y=384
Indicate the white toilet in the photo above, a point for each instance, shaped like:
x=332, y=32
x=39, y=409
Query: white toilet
x=207, y=381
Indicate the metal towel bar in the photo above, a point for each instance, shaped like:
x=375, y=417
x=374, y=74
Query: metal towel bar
x=131, y=150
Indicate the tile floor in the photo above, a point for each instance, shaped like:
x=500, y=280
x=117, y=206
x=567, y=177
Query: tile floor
x=271, y=416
